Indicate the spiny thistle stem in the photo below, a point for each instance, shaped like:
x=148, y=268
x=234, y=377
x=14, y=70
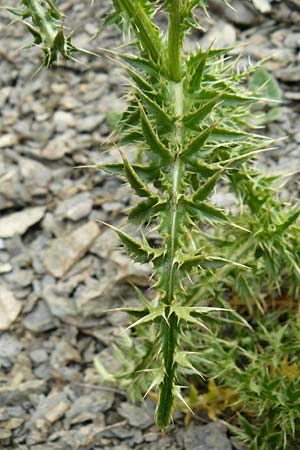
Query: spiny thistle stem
x=174, y=40
x=143, y=27
x=39, y=15
x=169, y=333
x=177, y=170
x=169, y=330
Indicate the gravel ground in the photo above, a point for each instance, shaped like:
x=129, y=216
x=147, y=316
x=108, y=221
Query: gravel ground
x=59, y=269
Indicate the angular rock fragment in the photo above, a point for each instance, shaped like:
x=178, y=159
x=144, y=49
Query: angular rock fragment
x=55, y=149
x=40, y=319
x=137, y=416
x=10, y=308
x=88, y=407
x=12, y=395
x=18, y=223
x=75, y=208
x=10, y=347
x=8, y=140
x=208, y=437
x=64, y=252
x=51, y=409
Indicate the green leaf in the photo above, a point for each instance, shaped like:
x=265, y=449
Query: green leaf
x=191, y=120
x=196, y=78
x=132, y=137
x=136, y=249
x=141, y=64
x=203, y=211
x=150, y=316
x=146, y=173
x=144, y=211
x=163, y=120
x=146, y=31
x=229, y=99
x=227, y=135
x=131, y=116
x=181, y=360
x=186, y=263
x=204, y=190
x=17, y=11
x=105, y=376
x=185, y=313
x=202, y=168
x=142, y=84
x=156, y=147
x=195, y=145
x=265, y=85
x=133, y=179
x=287, y=223
x=113, y=118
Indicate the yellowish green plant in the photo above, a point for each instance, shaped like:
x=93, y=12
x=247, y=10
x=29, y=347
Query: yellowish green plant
x=188, y=118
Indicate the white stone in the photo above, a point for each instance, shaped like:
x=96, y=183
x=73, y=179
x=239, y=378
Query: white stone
x=64, y=252
x=9, y=308
x=18, y=223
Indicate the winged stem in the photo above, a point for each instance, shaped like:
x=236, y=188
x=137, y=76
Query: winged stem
x=170, y=329
x=174, y=40
x=143, y=27
x=39, y=15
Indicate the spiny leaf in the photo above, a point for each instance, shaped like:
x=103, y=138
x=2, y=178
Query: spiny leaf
x=145, y=173
x=141, y=64
x=140, y=82
x=185, y=313
x=181, y=360
x=104, y=374
x=213, y=53
x=203, y=192
x=47, y=30
x=131, y=137
x=150, y=315
x=163, y=120
x=136, y=249
x=157, y=380
x=195, y=145
x=228, y=98
x=287, y=223
x=192, y=119
x=206, y=262
x=146, y=210
x=140, y=18
x=223, y=134
x=202, y=168
x=156, y=147
x=203, y=211
x=195, y=81
x=133, y=179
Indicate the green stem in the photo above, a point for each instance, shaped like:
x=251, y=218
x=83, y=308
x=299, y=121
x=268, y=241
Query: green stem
x=144, y=28
x=174, y=40
x=39, y=18
x=169, y=330
x=169, y=334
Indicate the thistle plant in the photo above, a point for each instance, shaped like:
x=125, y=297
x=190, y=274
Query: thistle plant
x=188, y=117
x=45, y=22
